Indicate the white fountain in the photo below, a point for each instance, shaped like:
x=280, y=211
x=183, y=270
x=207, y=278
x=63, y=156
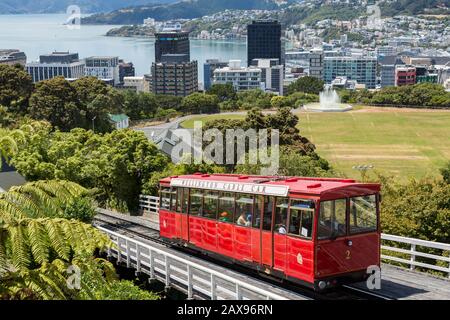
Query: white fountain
x=329, y=102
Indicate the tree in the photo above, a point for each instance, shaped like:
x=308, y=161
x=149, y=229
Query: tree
x=306, y=84
x=55, y=100
x=96, y=100
x=200, y=103
x=223, y=91
x=15, y=88
x=117, y=163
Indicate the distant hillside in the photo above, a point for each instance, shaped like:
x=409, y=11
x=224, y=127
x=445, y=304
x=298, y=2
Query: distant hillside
x=60, y=6
x=408, y=7
x=188, y=9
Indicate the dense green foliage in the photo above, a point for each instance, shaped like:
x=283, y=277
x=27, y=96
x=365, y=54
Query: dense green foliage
x=117, y=163
x=446, y=173
x=422, y=95
x=418, y=209
x=85, y=103
x=200, y=103
x=40, y=252
x=223, y=91
x=15, y=88
x=307, y=85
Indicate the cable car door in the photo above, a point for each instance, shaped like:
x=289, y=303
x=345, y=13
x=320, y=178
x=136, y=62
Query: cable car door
x=267, y=232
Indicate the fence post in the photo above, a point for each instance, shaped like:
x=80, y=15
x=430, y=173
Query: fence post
x=413, y=257
x=128, y=253
x=449, y=267
x=166, y=262
x=138, y=258
x=213, y=287
x=119, y=251
x=238, y=292
x=152, y=265
x=190, y=283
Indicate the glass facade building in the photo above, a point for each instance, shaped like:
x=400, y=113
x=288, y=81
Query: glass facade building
x=264, y=41
x=361, y=69
x=173, y=42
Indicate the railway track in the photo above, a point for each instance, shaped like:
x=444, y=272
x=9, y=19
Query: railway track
x=125, y=226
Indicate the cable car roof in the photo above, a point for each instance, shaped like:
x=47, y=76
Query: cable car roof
x=275, y=184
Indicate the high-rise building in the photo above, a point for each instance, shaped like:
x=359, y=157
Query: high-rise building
x=387, y=73
x=172, y=42
x=315, y=58
x=242, y=78
x=361, y=69
x=126, y=69
x=264, y=41
x=12, y=57
x=405, y=75
x=208, y=71
x=272, y=74
x=174, y=75
x=103, y=68
x=56, y=64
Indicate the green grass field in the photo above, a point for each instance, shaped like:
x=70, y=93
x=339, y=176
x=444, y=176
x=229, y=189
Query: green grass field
x=404, y=143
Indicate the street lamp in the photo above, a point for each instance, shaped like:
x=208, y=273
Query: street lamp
x=93, y=123
x=363, y=169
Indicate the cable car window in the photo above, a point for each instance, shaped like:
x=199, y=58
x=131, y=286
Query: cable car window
x=301, y=218
x=259, y=204
x=244, y=209
x=363, y=214
x=267, y=213
x=196, y=207
x=210, y=204
x=173, y=199
x=332, y=219
x=165, y=199
x=226, y=207
x=185, y=200
x=281, y=211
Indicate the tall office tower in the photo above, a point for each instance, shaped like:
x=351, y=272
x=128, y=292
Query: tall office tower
x=174, y=75
x=172, y=42
x=315, y=58
x=208, y=71
x=56, y=64
x=264, y=41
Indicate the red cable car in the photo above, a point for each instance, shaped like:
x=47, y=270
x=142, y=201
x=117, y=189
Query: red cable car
x=317, y=232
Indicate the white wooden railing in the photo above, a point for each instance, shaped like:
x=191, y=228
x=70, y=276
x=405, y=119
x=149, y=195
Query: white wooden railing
x=414, y=251
x=148, y=204
x=183, y=273
x=151, y=204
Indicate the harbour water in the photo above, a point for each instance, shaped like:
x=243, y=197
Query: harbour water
x=43, y=33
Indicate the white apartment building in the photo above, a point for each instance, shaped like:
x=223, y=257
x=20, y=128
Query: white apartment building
x=272, y=75
x=103, y=68
x=136, y=83
x=242, y=78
